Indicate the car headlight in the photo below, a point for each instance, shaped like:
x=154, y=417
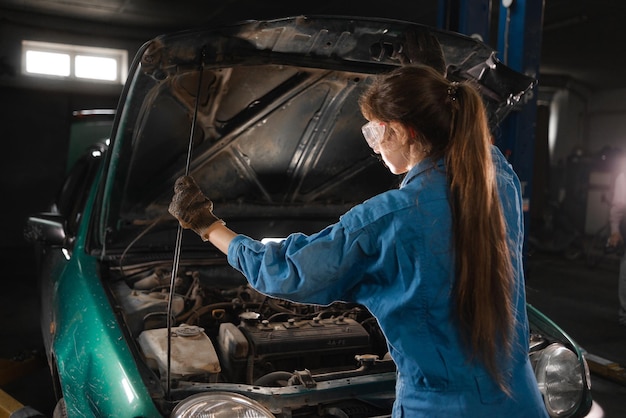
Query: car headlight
x=560, y=379
x=220, y=405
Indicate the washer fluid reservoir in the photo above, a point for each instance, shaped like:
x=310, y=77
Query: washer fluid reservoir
x=192, y=351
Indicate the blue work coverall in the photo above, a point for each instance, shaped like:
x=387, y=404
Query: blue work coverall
x=394, y=254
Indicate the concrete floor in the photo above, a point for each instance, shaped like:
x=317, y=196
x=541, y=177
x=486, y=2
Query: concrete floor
x=581, y=300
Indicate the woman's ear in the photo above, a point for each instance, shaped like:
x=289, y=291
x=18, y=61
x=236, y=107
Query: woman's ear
x=402, y=134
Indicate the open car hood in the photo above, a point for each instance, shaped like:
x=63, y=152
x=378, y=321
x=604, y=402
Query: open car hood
x=276, y=124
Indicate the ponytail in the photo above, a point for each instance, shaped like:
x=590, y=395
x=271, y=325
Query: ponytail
x=484, y=272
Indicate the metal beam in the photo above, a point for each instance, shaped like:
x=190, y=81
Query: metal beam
x=477, y=18
x=519, y=46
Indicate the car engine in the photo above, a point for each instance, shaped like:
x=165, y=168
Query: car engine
x=225, y=331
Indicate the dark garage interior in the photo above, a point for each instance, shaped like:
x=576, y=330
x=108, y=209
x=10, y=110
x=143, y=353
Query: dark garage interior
x=568, y=147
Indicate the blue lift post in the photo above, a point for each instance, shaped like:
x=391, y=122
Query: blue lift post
x=519, y=43
x=514, y=29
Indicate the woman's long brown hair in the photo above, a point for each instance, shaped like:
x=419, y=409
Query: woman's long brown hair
x=451, y=119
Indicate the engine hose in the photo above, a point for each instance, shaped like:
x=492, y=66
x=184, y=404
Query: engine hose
x=272, y=379
x=250, y=366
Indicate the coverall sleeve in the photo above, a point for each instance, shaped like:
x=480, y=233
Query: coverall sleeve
x=319, y=269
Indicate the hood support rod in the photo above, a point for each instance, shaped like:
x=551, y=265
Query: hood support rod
x=179, y=235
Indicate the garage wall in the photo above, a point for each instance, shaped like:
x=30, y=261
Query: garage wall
x=589, y=121
x=607, y=139
x=35, y=116
x=607, y=119
x=35, y=132
x=587, y=135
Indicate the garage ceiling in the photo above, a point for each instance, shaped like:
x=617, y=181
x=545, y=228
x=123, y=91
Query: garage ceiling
x=166, y=15
x=581, y=41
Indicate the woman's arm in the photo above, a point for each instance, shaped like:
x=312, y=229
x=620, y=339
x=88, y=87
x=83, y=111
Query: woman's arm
x=219, y=235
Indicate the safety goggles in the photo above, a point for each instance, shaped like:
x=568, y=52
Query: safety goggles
x=373, y=133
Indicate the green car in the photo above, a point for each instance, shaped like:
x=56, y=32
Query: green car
x=264, y=115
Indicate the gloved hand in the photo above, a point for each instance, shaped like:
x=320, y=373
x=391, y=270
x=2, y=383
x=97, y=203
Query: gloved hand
x=191, y=207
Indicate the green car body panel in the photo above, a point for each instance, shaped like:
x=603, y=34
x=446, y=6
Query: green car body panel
x=90, y=348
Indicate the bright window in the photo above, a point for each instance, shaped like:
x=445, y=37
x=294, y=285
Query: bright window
x=74, y=61
x=51, y=63
x=100, y=68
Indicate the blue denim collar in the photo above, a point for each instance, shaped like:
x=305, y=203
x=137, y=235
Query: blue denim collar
x=426, y=164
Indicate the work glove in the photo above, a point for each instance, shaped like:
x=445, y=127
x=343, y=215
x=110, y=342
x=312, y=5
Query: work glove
x=191, y=207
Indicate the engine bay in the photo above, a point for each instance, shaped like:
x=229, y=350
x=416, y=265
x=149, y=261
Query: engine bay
x=222, y=330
